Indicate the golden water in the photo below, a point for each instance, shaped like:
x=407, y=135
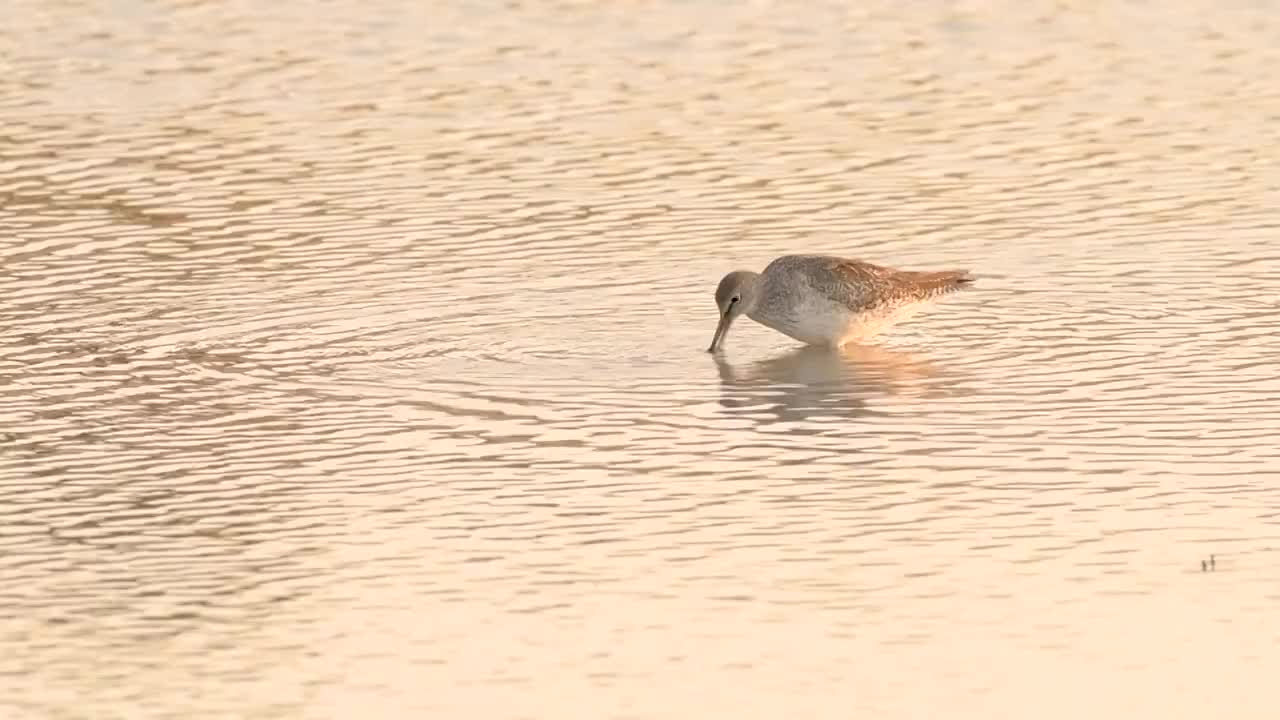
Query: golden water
x=351, y=360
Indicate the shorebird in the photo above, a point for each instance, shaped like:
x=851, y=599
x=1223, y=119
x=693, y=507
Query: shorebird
x=827, y=300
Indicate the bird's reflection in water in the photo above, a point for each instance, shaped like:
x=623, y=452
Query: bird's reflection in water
x=816, y=383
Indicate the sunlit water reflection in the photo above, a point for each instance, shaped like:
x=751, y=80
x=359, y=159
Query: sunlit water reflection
x=353, y=361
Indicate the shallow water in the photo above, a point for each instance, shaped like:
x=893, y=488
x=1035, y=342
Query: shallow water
x=353, y=361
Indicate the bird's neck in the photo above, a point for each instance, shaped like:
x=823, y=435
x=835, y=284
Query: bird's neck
x=751, y=291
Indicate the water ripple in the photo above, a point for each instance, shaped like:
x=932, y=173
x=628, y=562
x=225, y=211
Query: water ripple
x=353, y=360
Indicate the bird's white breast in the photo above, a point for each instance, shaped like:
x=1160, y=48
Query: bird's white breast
x=816, y=320
x=811, y=319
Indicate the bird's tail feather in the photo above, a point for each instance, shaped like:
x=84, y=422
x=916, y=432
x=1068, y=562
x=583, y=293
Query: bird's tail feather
x=931, y=283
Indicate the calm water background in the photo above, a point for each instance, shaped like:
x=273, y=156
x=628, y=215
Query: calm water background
x=351, y=360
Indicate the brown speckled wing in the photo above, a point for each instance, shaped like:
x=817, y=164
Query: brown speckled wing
x=871, y=285
x=861, y=285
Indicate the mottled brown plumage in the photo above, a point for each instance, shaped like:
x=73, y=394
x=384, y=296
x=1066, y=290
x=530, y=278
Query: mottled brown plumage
x=827, y=300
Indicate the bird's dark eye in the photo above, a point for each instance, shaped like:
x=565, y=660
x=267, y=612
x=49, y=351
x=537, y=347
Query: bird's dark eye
x=733, y=300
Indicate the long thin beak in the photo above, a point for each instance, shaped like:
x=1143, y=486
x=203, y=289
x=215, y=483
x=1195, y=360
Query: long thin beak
x=722, y=329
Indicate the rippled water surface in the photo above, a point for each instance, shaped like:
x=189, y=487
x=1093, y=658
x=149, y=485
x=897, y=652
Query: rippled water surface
x=351, y=360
